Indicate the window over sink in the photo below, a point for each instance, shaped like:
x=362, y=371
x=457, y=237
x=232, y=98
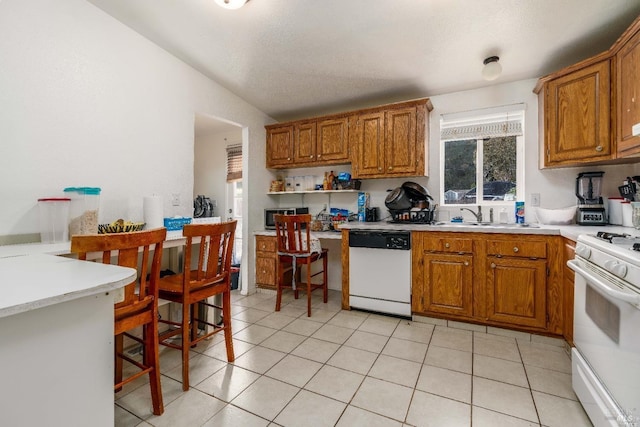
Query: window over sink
x=482, y=156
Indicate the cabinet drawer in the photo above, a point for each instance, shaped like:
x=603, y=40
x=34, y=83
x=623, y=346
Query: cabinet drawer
x=447, y=244
x=517, y=248
x=266, y=243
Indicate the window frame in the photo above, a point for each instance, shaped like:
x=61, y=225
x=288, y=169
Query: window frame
x=480, y=116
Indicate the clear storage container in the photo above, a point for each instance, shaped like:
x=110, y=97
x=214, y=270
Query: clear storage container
x=54, y=219
x=85, y=203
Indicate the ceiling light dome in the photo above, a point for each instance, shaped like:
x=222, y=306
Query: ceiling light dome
x=231, y=4
x=492, y=68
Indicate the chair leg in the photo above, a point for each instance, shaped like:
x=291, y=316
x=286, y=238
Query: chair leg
x=308, y=289
x=119, y=348
x=279, y=279
x=194, y=325
x=152, y=358
x=186, y=314
x=226, y=319
x=325, y=281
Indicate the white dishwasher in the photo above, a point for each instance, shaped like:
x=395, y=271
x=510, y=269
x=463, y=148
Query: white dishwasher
x=380, y=271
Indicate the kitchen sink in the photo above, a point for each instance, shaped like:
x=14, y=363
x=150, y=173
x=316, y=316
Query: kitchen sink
x=485, y=225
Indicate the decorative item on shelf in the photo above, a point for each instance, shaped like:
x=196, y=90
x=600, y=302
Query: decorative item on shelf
x=276, y=186
x=325, y=182
x=331, y=181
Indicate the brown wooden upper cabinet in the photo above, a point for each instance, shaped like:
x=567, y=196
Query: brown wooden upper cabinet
x=391, y=141
x=385, y=141
x=306, y=143
x=586, y=110
x=577, y=116
x=628, y=91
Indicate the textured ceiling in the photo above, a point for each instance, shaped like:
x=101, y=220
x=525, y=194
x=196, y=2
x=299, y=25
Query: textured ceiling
x=299, y=58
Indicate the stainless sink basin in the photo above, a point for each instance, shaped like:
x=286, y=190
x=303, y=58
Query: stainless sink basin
x=485, y=224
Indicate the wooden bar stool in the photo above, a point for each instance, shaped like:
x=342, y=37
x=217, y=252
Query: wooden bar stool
x=140, y=305
x=212, y=276
x=295, y=249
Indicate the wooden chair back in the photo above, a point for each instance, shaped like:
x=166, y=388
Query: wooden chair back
x=215, y=253
x=124, y=249
x=293, y=234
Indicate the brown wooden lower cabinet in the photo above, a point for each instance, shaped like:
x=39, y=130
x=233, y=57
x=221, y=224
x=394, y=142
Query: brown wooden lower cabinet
x=504, y=280
x=266, y=262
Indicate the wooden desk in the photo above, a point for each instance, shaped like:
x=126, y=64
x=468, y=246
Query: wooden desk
x=56, y=330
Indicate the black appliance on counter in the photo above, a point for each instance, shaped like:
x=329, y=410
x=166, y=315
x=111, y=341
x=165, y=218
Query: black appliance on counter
x=269, y=213
x=371, y=215
x=410, y=203
x=589, y=193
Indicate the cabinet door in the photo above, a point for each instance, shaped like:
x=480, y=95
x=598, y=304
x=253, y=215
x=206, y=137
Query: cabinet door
x=304, y=150
x=280, y=146
x=266, y=271
x=448, y=284
x=401, y=142
x=368, y=145
x=516, y=291
x=333, y=140
x=578, y=116
x=628, y=79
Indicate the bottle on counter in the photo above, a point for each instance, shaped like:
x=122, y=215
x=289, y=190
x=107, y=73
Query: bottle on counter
x=325, y=182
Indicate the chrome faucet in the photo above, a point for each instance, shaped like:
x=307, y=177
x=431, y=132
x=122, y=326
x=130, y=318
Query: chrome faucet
x=477, y=215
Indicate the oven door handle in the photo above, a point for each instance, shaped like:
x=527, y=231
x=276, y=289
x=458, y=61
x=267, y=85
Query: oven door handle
x=602, y=285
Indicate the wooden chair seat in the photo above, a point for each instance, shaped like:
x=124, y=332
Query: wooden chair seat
x=211, y=277
x=293, y=251
x=139, y=307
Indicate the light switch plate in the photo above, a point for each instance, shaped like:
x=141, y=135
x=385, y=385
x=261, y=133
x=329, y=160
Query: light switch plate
x=635, y=129
x=535, y=199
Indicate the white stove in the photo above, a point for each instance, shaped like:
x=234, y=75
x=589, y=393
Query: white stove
x=606, y=357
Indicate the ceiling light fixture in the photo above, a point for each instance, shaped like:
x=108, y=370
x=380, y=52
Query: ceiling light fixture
x=492, y=68
x=231, y=4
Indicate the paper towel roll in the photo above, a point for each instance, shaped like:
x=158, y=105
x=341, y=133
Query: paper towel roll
x=152, y=212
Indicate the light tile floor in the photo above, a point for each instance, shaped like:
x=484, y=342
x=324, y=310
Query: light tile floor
x=350, y=368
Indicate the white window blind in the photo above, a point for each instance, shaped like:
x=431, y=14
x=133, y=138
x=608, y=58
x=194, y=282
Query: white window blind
x=497, y=124
x=234, y=163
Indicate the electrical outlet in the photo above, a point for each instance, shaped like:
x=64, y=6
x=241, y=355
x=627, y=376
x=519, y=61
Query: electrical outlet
x=175, y=199
x=535, y=199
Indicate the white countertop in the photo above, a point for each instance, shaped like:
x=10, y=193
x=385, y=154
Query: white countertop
x=39, y=280
x=569, y=231
x=321, y=235
x=173, y=239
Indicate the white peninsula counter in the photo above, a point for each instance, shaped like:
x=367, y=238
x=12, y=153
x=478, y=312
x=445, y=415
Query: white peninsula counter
x=56, y=340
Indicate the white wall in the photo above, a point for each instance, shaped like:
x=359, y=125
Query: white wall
x=556, y=186
x=210, y=167
x=86, y=101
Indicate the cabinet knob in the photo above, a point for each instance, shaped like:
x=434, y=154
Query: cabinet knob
x=379, y=168
x=390, y=167
x=319, y=155
x=599, y=148
x=288, y=158
x=493, y=265
x=311, y=156
x=447, y=245
x=515, y=249
x=264, y=246
x=466, y=263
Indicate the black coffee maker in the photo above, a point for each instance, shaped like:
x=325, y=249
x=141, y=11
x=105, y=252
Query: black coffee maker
x=589, y=193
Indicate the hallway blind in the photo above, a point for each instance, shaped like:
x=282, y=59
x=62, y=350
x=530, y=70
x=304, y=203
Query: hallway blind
x=234, y=163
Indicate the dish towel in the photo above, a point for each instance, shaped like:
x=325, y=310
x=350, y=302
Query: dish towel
x=315, y=247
